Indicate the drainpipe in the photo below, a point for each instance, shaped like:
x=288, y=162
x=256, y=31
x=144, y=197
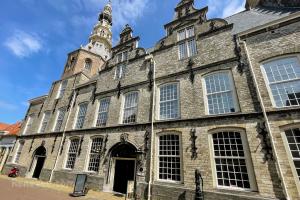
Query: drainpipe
x=64, y=134
x=268, y=126
x=152, y=63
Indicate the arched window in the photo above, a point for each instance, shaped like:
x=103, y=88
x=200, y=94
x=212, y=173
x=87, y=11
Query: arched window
x=94, y=156
x=220, y=93
x=88, y=64
x=72, y=153
x=283, y=78
x=231, y=159
x=169, y=157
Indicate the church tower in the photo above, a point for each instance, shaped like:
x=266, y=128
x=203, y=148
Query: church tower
x=100, y=40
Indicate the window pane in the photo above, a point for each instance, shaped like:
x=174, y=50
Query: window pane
x=95, y=153
x=72, y=154
x=169, y=102
x=60, y=119
x=190, y=32
x=219, y=93
x=45, y=122
x=192, y=47
x=81, y=115
x=284, y=80
x=230, y=160
x=103, y=112
x=19, y=151
x=293, y=138
x=130, y=108
x=182, y=50
x=181, y=35
x=62, y=88
x=169, y=157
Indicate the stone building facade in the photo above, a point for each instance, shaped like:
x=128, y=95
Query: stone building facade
x=216, y=100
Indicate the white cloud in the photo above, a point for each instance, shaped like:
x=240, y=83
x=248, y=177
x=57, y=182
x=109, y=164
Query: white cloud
x=128, y=11
x=23, y=44
x=233, y=7
x=225, y=8
x=7, y=106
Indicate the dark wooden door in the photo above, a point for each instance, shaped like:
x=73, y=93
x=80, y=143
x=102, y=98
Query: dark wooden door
x=124, y=172
x=38, y=168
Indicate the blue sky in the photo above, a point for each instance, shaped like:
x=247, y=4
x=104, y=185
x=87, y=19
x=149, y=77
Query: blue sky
x=36, y=35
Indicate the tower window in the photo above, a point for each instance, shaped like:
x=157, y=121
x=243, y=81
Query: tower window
x=88, y=64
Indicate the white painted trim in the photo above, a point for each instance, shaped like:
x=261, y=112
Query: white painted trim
x=268, y=84
x=123, y=98
x=156, y=172
x=158, y=100
x=247, y=157
x=289, y=155
x=233, y=90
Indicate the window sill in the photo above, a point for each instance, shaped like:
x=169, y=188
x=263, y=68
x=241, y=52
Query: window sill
x=169, y=183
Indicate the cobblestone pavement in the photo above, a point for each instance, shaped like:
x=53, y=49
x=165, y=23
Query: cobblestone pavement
x=29, y=189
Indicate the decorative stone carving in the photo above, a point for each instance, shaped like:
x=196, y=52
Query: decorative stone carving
x=193, y=143
x=266, y=145
x=80, y=145
x=119, y=89
x=146, y=141
x=124, y=138
x=150, y=78
x=104, y=145
x=202, y=18
x=31, y=144
x=54, y=142
x=62, y=145
x=238, y=54
x=191, y=71
x=199, y=185
x=93, y=97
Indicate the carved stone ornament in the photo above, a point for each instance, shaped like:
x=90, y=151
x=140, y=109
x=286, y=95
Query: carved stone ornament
x=119, y=89
x=191, y=71
x=266, y=145
x=199, y=185
x=124, y=138
x=193, y=143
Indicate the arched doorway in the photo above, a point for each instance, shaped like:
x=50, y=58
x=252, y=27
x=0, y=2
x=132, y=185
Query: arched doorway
x=39, y=157
x=122, y=167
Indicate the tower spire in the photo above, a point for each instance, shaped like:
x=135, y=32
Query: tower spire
x=100, y=40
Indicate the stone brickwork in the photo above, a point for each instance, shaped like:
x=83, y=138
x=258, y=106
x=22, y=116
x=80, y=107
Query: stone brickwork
x=217, y=50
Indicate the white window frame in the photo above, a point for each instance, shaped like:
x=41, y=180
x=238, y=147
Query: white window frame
x=288, y=151
x=28, y=124
x=56, y=118
x=67, y=153
x=98, y=111
x=158, y=100
x=181, y=157
x=123, y=57
x=120, y=71
x=62, y=89
x=297, y=56
x=88, y=157
x=77, y=115
x=234, y=92
x=185, y=41
x=18, y=153
x=42, y=121
x=247, y=155
x=123, y=107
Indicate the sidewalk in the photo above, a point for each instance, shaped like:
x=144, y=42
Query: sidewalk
x=30, y=189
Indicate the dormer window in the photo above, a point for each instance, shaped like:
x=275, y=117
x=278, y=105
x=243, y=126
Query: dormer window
x=186, y=42
x=123, y=56
x=88, y=64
